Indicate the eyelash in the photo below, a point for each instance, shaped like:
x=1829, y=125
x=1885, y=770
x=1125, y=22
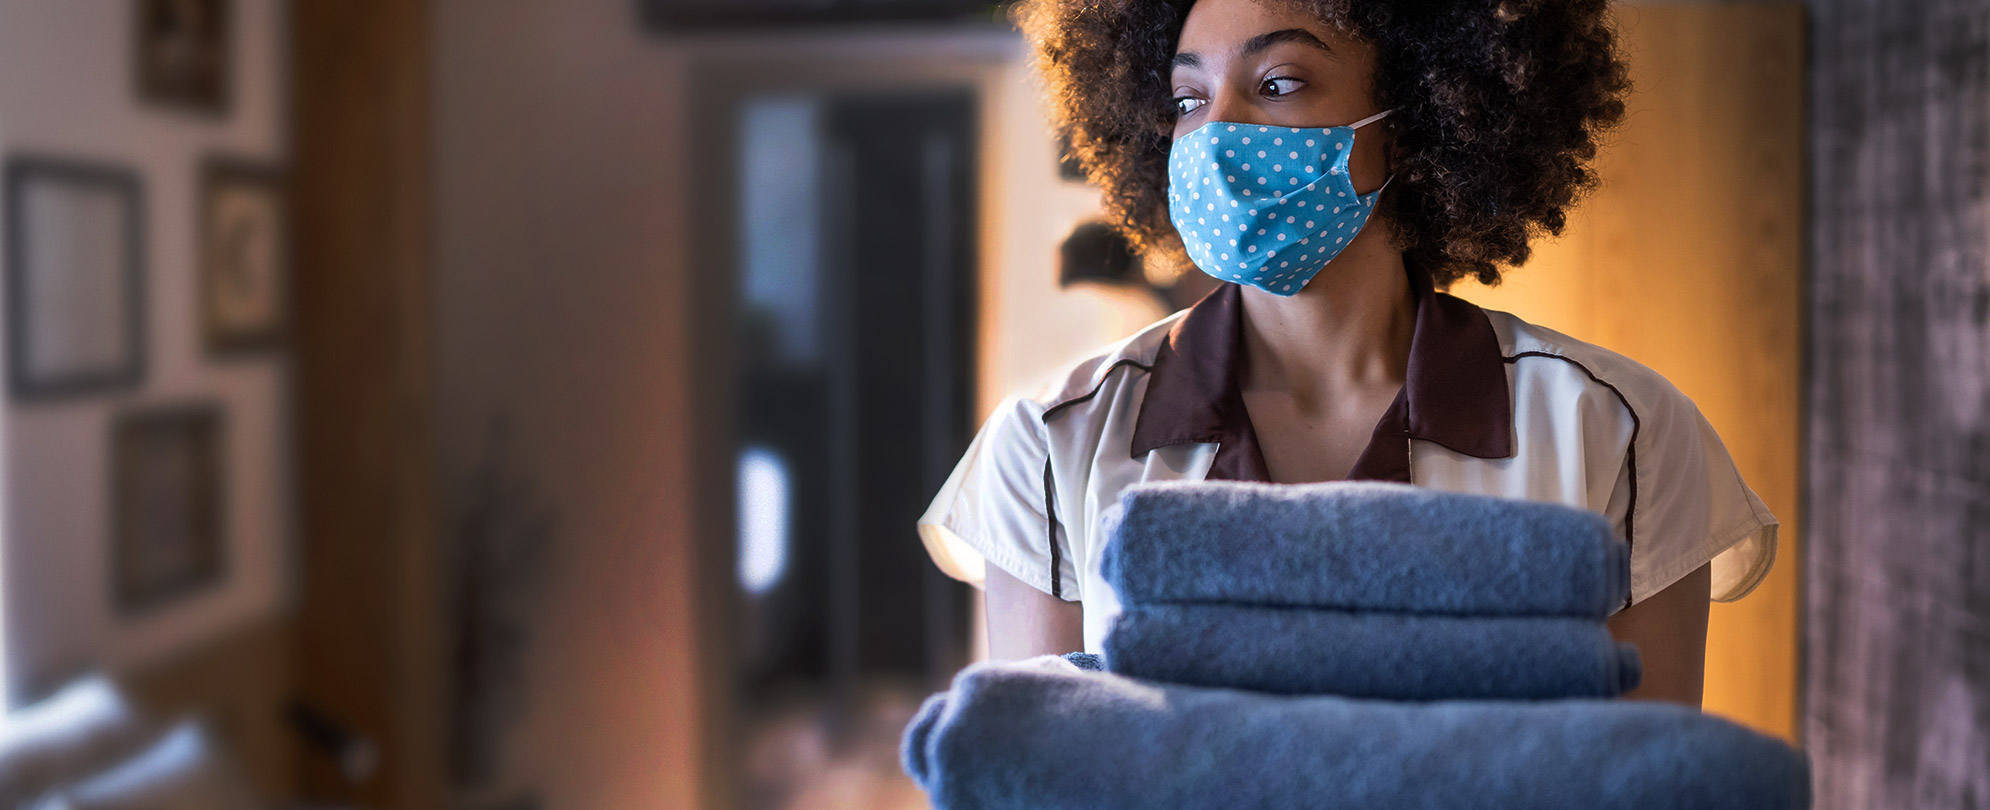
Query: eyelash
x=1270, y=79
x=1267, y=80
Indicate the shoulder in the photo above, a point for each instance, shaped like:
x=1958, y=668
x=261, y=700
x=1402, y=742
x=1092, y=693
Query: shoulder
x=998, y=506
x=1605, y=396
x=1539, y=354
x=1051, y=416
x=1087, y=383
x=1683, y=496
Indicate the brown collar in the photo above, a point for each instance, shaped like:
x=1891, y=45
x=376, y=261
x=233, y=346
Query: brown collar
x=1454, y=391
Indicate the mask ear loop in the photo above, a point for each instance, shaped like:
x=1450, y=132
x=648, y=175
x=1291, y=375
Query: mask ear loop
x=1365, y=122
x=1370, y=119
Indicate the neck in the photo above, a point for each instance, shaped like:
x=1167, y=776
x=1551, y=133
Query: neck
x=1347, y=329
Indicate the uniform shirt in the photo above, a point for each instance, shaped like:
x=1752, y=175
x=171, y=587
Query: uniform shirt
x=1490, y=404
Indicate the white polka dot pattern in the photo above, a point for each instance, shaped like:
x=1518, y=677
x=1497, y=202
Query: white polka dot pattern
x=1272, y=247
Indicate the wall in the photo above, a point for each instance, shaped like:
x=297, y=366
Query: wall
x=1897, y=708
x=66, y=89
x=1031, y=326
x=562, y=294
x=560, y=308
x=1688, y=259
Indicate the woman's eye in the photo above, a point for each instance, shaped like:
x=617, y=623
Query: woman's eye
x=1280, y=85
x=1187, y=104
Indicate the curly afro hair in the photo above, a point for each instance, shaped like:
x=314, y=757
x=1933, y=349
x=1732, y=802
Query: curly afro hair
x=1499, y=105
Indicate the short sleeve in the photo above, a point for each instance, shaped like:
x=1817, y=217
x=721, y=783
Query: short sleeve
x=996, y=507
x=1692, y=507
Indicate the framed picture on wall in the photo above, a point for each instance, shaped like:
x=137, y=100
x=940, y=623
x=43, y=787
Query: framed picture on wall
x=181, y=54
x=75, y=278
x=167, y=527
x=244, y=248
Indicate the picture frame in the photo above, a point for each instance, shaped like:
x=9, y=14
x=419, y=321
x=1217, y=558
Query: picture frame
x=75, y=277
x=182, y=54
x=244, y=256
x=168, y=523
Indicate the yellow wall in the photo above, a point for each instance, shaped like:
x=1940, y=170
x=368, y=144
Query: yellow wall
x=1688, y=259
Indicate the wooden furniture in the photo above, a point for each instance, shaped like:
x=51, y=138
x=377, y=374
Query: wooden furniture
x=369, y=641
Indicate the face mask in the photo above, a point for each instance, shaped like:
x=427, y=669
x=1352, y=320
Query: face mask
x=1266, y=206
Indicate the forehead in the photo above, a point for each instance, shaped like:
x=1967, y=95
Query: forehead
x=1217, y=28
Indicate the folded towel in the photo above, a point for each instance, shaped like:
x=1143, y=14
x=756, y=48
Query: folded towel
x=1392, y=656
x=1043, y=734
x=1086, y=661
x=1361, y=546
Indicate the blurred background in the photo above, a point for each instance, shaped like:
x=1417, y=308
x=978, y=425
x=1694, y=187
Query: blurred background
x=516, y=404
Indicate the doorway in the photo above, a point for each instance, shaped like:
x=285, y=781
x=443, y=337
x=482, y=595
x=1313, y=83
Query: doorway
x=846, y=281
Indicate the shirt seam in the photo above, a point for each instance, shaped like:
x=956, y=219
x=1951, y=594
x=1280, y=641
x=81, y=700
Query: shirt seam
x=1630, y=449
x=1104, y=377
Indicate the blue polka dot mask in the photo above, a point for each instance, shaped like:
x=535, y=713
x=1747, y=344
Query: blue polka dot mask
x=1266, y=206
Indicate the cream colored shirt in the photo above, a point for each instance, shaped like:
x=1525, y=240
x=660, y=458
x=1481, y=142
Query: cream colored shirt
x=1491, y=404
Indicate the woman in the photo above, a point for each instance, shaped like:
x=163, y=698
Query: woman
x=1428, y=141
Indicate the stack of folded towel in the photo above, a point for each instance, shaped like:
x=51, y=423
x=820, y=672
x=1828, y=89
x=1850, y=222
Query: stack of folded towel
x=1043, y=734
x=1343, y=645
x=1367, y=589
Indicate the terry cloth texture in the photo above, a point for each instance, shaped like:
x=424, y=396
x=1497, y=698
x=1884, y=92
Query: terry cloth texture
x=1086, y=661
x=1392, y=656
x=1044, y=735
x=1361, y=545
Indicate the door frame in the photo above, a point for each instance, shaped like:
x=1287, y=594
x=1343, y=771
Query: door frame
x=719, y=72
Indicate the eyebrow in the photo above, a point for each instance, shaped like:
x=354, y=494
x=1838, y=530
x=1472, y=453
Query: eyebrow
x=1259, y=43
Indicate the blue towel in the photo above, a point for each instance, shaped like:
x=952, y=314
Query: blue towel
x=1086, y=661
x=1361, y=546
x=1044, y=735
x=1393, y=656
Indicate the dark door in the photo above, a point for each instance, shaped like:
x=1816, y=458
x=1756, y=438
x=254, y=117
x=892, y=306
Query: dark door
x=855, y=369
